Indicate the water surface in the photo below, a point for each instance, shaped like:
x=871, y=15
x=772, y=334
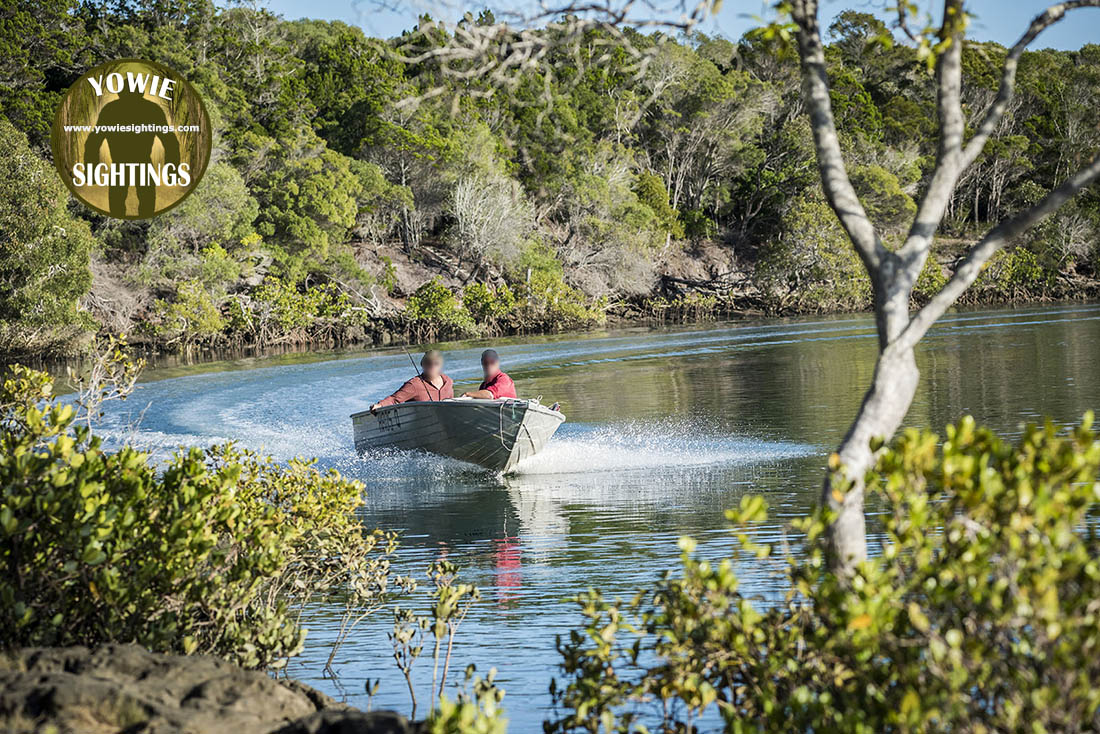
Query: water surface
x=666, y=429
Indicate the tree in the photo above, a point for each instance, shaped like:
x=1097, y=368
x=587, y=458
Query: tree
x=894, y=273
x=309, y=199
x=490, y=220
x=220, y=211
x=41, y=42
x=696, y=123
x=44, y=253
x=855, y=33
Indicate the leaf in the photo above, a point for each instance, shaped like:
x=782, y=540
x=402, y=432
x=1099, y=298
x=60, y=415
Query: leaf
x=863, y=621
x=917, y=618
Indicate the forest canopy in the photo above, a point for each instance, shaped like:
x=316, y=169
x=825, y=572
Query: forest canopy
x=352, y=194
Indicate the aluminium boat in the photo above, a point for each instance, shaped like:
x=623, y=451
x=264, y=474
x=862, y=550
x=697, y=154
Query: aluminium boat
x=494, y=434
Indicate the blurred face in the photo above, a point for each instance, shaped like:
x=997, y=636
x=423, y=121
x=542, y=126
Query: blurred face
x=490, y=366
x=432, y=367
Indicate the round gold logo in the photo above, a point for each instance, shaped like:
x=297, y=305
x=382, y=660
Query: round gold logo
x=131, y=138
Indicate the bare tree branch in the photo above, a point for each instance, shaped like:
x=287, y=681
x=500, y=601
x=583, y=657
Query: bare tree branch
x=830, y=159
x=499, y=51
x=948, y=166
x=996, y=110
x=902, y=22
x=994, y=240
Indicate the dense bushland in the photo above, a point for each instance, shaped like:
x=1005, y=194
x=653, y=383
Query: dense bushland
x=328, y=209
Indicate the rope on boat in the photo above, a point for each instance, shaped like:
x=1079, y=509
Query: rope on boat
x=500, y=433
x=500, y=415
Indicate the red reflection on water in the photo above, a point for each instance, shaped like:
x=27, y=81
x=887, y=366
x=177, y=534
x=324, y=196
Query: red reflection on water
x=506, y=557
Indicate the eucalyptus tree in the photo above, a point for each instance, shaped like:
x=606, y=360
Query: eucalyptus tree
x=490, y=219
x=697, y=123
x=512, y=45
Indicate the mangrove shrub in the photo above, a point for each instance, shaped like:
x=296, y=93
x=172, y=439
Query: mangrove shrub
x=978, y=613
x=214, y=552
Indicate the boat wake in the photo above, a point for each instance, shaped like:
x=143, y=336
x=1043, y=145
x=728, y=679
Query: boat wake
x=577, y=448
x=664, y=445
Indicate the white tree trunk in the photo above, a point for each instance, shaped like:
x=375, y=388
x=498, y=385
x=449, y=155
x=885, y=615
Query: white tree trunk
x=880, y=415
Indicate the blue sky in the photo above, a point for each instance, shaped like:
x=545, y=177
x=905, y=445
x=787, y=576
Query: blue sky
x=996, y=20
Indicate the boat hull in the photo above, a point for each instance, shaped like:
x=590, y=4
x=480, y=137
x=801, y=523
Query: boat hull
x=494, y=434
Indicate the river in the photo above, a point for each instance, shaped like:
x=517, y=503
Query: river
x=666, y=428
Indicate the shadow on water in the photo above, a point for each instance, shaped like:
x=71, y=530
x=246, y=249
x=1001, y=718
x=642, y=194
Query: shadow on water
x=666, y=429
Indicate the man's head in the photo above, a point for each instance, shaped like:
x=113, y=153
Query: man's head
x=490, y=363
x=432, y=363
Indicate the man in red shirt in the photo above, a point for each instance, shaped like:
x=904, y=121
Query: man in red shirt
x=430, y=384
x=496, y=383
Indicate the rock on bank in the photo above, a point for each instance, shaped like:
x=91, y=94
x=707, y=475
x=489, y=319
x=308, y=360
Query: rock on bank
x=124, y=688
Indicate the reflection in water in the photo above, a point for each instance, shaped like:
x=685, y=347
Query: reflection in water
x=667, y=428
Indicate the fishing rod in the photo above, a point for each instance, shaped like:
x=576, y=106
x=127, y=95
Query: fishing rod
x=415, y=368
x=417, y=371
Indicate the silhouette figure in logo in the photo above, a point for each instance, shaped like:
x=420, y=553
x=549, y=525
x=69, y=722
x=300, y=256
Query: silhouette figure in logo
x=131, y=108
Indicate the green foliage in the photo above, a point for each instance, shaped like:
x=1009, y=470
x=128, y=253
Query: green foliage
x=977, y=614
x=697, y=225
x=542, y=301
x=904, y=119
x=220, y=211
x=192, y=317
x=855, y=110
x=43, y=256
x=277, y=312
x=309, y=201
x=37, y=39
x=438, y=309
x=856, y=35
x=889, y=207
x=217, y=267
x=1015, y=273
x=476, y=712
x=930, y=280
x=488, y=307
x=350, y=79
x=651, y=192
x=689, y=307
x=548, y=301
x=813, y=266
x=389, y=276
x=214, y=552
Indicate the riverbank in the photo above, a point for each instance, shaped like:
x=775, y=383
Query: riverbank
x=430, y=300
x=117, y=688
